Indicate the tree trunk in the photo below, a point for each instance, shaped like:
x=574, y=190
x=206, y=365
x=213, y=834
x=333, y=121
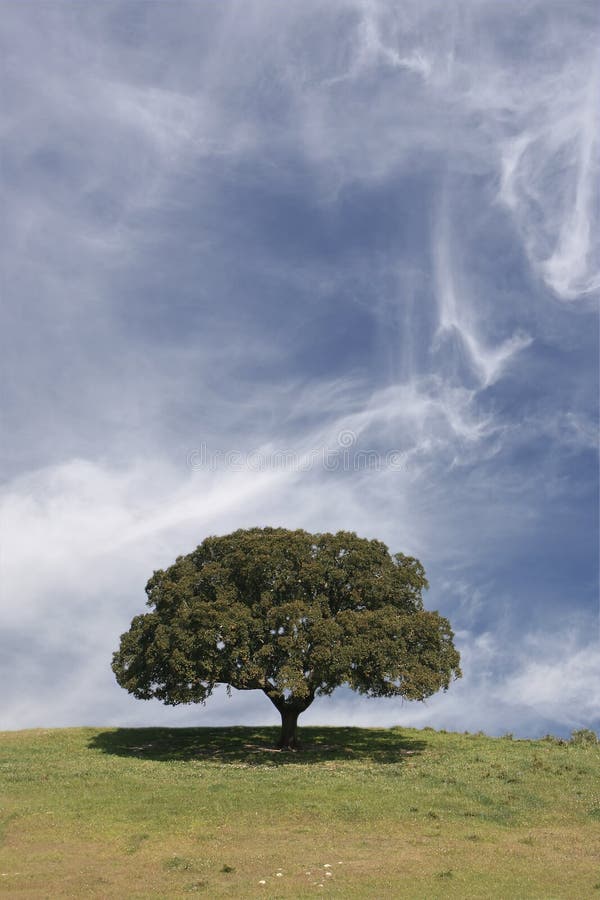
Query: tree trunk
x=288, y=739
x=289, y=709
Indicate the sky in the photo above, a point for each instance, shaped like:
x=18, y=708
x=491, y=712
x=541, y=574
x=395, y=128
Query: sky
x=321, y=265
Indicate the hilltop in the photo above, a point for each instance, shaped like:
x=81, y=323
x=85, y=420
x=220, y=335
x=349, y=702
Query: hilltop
x=382, y=813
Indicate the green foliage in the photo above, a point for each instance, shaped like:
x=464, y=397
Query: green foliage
x=552, y=739
x=584, y=737
x=292, y=614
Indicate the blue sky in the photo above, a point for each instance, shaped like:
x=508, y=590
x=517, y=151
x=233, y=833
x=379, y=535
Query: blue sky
x=262, y=228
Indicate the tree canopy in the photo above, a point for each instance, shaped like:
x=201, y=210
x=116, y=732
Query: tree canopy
x=289, y=613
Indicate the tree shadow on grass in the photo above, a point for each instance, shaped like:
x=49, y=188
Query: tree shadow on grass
x=256, y=746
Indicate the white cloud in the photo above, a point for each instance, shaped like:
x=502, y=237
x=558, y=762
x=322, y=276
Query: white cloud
x=533, y=123
x=457, y=311
x=549, y=182
x=558, y=683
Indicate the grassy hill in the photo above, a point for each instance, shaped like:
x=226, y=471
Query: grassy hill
x=361, y=813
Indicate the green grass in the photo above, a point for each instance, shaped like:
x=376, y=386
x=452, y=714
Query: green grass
x=360, y=813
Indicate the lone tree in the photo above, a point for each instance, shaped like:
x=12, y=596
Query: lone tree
x=289, y=613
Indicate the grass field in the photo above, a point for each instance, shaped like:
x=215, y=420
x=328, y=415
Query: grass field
x=360, y=813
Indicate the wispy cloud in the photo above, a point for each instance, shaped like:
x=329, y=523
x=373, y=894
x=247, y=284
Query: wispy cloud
x=457, y=316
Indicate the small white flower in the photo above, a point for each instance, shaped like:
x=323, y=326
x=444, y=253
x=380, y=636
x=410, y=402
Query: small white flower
x=326, y=865
x=328, y=874
x=279, y=874
x=262, y=881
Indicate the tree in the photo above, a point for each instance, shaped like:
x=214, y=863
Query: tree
x=289, y=613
